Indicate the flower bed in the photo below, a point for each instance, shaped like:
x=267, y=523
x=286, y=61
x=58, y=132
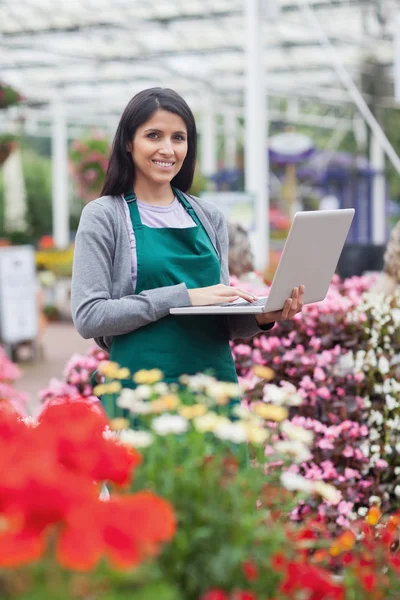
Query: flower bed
x=342, y=356
x=227, y=535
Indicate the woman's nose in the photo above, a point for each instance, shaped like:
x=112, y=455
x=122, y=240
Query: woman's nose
x=166, y=148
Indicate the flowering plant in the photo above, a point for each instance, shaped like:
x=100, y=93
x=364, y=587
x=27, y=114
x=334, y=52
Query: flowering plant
x=89, y=158
x=342, y=356
x=232, y=539
x=54, y=524
x=224, y=548
x=8, y=96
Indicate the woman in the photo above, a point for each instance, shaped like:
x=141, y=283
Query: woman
x=146, y=246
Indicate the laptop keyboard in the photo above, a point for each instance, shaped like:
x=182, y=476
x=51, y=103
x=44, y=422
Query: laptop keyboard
x=259, y=302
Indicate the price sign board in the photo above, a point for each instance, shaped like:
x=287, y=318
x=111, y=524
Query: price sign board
x=18, y=303
x=237, y=207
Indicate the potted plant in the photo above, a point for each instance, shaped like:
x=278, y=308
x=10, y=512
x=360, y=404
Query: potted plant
x=89, y=158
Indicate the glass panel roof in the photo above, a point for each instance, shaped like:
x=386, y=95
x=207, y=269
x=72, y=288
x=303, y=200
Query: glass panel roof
x=98, y=53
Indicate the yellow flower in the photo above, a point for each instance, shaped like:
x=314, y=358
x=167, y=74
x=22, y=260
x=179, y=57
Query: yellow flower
x=109, y=369
x=263, y=372
x=191, y=412
x=343, y=543
x=149, y=377
x=373, y=516
x=169, y=402
x=328, y=492
x=209, y=421
x=256, y=435
x=270, y=412
x=123, y=373
x=99, y=390
x=114, y=387
x=119, y=424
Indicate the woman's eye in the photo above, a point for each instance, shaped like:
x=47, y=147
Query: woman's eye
x=180, y=138
x=153, y=135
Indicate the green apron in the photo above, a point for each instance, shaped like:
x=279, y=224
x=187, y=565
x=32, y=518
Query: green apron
x=177, y=345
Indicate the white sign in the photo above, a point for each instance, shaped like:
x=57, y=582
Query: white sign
x=237, y=207
x=18, y=305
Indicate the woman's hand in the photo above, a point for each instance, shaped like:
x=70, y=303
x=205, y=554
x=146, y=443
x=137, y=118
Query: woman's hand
x=218, y=294
x=293, y=305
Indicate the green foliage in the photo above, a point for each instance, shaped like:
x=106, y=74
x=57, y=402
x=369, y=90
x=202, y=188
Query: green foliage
x=37, y=175
x=217, y=532
x=199, y=184
x=8, y=96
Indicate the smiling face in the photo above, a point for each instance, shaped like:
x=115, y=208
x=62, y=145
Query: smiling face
x=159, y=148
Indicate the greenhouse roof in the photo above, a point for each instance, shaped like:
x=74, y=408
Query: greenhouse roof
x=97, y=53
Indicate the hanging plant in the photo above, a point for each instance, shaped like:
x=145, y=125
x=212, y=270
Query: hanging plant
x=89, y=160
x=8, y=96
x=8, y=143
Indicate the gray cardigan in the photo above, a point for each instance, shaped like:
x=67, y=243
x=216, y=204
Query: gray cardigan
x=103, y=300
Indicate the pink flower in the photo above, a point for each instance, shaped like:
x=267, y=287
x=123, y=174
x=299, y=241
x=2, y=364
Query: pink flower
x=348, y=452
x=325, y=444
x=324, y=393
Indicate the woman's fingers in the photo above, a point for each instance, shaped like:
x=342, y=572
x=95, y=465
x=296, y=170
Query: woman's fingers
x=242, y=294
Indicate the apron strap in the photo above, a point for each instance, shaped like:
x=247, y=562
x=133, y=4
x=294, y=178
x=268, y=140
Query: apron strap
x=130, y=199
x=187, y=206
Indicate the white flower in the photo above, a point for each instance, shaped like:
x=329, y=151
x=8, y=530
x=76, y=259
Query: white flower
x=298, y=451
x=376, y=417
x=383, y=365
x=345, y=364
x=136, y=439
x=275, y=394
x=207, y=422
x=231, y=431
x=197, y=383
x=375, y=448
x=128, y=399
x=294, y=482
x=245, y=414
x=143, y=392
x=375, y=500
x=363, y=511
x=397, y=470
x=161, y=388
x=374, y=435
x=391, y=402
x=296, y=433
x=328, y=492
x=167, y=423
x=397, y=490
x=396, y=316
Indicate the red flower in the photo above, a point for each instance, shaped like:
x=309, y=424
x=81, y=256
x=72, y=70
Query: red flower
x=215, y=594
x=250, y=570
x=77, y=429
x=369, y=581
x=243, y=595
x=300, y=576
x=126, y=529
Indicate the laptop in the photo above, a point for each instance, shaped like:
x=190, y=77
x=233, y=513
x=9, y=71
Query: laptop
x=310, y=257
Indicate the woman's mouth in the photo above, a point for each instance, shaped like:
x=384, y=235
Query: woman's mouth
x=164, y=164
